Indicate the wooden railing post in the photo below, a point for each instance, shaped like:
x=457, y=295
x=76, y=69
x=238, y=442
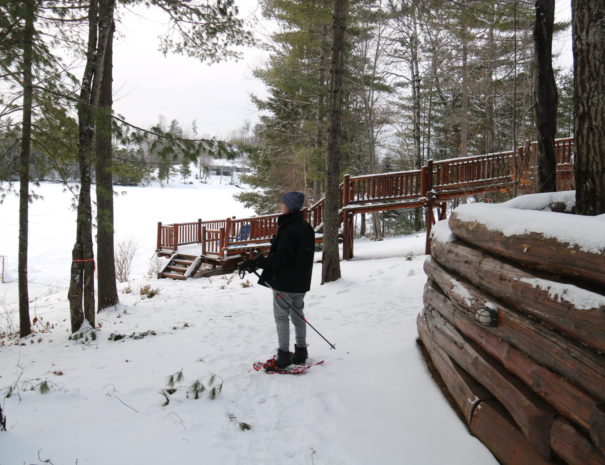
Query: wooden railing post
x=429, y=219
x=221, y=243
x=175, y=237
x=159, y=246
x=228, y=233
x=199, y=230
x=346, y=197
x=426, y=178
x=203, y=240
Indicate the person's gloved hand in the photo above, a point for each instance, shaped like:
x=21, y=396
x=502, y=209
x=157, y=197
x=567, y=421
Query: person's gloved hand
x=251, y=265
x=247, y=266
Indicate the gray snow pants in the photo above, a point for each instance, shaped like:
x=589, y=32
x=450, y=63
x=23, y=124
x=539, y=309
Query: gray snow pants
x=282, y=314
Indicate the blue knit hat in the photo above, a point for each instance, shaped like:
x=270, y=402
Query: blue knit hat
x=293, y=200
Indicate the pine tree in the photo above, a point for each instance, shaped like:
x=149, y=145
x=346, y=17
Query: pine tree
x=81, y=287
x=29, y=14
x=588, y=21
x=545, y=95
x=25, y=59
x=330, y=270
x=107, y=292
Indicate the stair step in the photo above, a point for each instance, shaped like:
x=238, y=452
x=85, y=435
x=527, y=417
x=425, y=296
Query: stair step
x=172, y=276
x=186, y=257
x=178, y=269
x=178, y=261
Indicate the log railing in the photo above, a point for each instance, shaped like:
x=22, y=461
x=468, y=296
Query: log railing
x=437, y=180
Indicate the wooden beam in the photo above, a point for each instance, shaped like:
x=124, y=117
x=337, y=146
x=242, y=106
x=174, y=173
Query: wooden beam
x=175, y=237
x=159, y=242
x=393, y=204
x=533, y=416
x=524, y=292
x=597, y=426
x=537, y=251
x=494, y=428
x=563, y=395
x=581, y=365
x=572, y=446
x=466, y=392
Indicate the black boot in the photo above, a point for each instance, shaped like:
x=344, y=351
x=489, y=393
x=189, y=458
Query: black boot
x=300, y=355
x=283, y=360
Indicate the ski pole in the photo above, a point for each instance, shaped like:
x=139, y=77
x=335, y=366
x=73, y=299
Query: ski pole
x=279, y=295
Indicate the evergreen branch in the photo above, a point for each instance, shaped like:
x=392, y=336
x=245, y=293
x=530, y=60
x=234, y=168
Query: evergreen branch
x=163, y=136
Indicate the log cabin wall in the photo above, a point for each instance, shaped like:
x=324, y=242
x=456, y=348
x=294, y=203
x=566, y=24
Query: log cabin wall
x=531, y=387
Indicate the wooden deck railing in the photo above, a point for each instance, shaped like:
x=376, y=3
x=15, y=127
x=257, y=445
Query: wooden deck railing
x=381, y=187
x=443, y=179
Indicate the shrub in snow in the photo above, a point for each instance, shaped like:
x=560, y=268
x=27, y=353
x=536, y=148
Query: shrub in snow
x=124, y=257
x=141, y=335
x=242, y=425
x=214, y=386
x=148, y=292
x=156, y=264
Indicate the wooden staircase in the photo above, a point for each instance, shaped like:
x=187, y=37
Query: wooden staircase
x=180, y=266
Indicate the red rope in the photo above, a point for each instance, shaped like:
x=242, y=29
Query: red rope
x=94, y=265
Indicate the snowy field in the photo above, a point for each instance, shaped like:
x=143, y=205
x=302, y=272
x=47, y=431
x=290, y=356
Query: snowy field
x=373, y=402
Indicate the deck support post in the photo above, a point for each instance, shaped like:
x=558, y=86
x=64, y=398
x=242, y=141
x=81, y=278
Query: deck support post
x=348, y=234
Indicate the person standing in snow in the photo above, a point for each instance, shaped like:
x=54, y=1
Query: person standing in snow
x=287, y=270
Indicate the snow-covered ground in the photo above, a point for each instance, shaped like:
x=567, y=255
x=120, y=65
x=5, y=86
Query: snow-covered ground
x=372, y=402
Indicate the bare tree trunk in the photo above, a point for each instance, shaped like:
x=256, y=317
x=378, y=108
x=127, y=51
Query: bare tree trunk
x=331, y=256
x=106, y=271
x=464, y=117
x=588, y=24
x=28, y=37
x=490, y=90
x=81, y=293
x=545, y=95
x=415, y=70
x=320, y=116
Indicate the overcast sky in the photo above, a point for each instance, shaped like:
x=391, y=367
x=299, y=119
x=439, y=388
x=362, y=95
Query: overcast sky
x=147, y=84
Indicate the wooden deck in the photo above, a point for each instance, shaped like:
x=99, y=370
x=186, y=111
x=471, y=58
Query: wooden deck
x=225, y=242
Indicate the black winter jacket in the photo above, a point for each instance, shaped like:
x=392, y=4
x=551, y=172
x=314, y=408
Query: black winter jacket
x=289, y=265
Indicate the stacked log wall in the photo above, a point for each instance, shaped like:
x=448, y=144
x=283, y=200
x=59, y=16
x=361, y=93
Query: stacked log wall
x=532, y=387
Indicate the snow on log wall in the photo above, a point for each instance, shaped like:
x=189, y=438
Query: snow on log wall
x=532, y=387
